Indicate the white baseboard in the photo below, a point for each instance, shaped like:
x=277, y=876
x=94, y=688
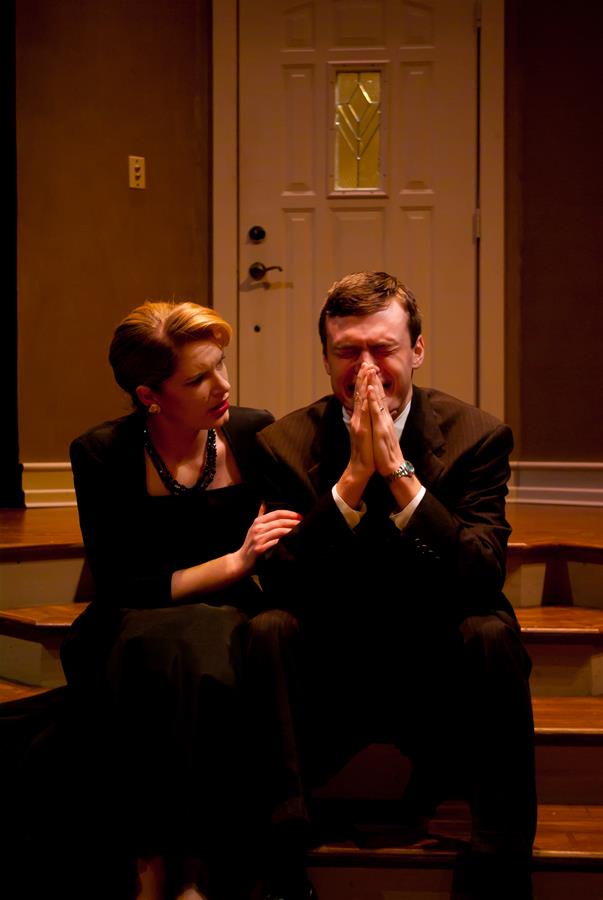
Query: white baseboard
x=47, y=484
x=556, y=482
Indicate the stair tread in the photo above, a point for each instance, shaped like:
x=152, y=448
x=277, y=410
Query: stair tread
x=560, y=620
x=45, y=624
x=13, y=690
x=563, y=717
x=52, y=615
x=551, y=620
x=566, y=834
x=548, y=525
x=568, y=715
x=52, y=533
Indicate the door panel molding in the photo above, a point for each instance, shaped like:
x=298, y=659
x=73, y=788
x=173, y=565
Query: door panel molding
x=225, y=213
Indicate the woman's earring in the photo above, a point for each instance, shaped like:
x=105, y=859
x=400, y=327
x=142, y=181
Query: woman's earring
x=154, y=408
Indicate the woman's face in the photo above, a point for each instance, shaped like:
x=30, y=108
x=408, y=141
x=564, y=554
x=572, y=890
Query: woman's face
x=196, y=395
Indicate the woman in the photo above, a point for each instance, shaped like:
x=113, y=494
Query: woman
x=172, y=526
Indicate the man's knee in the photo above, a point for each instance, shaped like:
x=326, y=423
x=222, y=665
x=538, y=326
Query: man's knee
x=273, y=627
x=494, y=640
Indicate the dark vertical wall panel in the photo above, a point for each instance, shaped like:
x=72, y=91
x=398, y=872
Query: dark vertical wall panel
x=555, y=228
x=10, y=476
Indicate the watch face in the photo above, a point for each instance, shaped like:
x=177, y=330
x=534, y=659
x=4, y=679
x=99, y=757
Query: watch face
x=404, y=471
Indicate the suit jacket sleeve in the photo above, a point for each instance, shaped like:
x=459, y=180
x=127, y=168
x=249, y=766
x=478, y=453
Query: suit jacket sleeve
x=459, y=530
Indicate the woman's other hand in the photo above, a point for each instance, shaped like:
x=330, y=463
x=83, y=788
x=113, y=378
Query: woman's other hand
x=265, y=531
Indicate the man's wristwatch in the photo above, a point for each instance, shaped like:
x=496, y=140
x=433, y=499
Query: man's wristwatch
x=403, y=471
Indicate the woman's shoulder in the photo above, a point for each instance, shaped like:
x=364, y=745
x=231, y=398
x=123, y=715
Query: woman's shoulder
x=240, y=432
x=107, y=438
x=246, y=419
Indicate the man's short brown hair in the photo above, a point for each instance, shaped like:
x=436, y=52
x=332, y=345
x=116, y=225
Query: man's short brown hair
x=365, y=293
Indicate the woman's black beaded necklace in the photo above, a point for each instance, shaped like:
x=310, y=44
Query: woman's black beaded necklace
x=174, y=487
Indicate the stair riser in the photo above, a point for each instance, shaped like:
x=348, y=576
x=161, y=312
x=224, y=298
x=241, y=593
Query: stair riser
x=39, y=582
x=31, y=663
x=561, y=670
x=381, y=884
x=566, y=774
x=434, y=884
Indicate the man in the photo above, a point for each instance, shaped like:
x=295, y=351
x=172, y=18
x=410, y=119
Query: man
x=389, y=619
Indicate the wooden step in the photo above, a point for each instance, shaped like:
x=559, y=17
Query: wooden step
x=566, y=647
x=565, y=643
x=30, y=641
x=13, y=690
x=535, y=527
x=39, y=623
x=375, y=861
x=38, y=534
x=574, y=532
x=571, y=624
x=568, y=720
x=555, y=555
x=569, y=758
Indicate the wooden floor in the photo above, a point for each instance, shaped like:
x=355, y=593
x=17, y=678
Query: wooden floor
x=536, y=524
x=533, y=525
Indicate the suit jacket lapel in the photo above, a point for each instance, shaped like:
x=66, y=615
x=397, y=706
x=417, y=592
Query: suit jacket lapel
x=422, y=440
x=330, y=450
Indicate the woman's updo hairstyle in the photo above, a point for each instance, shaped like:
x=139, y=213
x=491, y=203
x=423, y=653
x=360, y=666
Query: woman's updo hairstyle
x=145, y=344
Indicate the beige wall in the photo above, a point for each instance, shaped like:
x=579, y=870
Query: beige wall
x=96, y=82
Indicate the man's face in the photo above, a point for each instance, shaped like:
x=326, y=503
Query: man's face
x=382, y=340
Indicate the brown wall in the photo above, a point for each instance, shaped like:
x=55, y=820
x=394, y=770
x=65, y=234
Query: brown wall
x=96, y=82
x=555, y=229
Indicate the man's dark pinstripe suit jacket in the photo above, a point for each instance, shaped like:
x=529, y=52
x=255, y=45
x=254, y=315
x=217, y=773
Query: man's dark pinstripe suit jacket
x=450, y=558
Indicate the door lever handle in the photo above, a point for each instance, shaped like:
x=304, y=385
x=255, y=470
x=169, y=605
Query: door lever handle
x=257, y=270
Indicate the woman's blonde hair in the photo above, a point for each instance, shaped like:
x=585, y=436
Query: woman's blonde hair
x=145, y=343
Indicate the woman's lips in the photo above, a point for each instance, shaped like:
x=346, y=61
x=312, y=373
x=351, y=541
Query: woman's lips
x=221, y=409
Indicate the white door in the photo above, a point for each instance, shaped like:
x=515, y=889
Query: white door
x=357, y=150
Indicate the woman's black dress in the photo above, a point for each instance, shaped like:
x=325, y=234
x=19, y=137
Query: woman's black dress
x=153, y=686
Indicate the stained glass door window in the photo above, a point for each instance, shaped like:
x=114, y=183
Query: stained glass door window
x=358, y=123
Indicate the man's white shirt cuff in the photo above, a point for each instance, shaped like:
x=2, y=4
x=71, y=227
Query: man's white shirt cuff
x=351, y=515
x=402, y=518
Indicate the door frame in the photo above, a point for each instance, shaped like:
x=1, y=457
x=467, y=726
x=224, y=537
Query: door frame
x=225, y=214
